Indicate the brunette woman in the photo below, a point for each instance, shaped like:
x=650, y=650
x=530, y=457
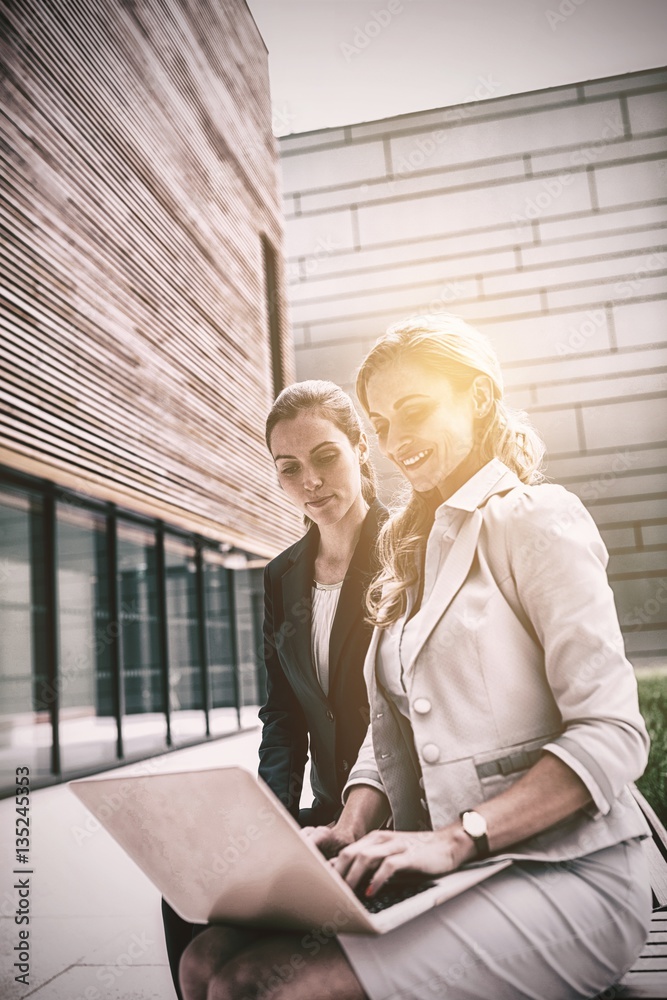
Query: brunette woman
x=315, y=632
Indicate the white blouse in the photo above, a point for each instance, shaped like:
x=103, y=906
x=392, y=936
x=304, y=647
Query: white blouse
x=325, y=602
x=398, y=642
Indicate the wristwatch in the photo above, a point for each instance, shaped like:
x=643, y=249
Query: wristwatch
x=474, y=825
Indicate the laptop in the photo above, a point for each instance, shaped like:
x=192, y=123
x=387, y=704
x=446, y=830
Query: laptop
x=221, y=847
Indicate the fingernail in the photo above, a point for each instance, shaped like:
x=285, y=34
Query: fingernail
x=368, y=891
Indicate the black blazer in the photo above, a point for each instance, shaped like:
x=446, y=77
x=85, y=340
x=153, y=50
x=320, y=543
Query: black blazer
x=296, y=708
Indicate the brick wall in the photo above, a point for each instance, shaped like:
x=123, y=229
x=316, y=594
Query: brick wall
x=541, y=218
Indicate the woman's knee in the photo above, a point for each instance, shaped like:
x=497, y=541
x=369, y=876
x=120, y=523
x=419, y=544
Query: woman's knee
x=198, y=966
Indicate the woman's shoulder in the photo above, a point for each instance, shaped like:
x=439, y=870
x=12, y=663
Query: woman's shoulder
x=299, y=549
x=527, y=500
x=529, y=515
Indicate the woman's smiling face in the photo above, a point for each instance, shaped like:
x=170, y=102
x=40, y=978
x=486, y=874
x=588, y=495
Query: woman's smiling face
x=424, y=425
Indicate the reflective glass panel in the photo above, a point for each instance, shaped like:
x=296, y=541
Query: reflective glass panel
x=88, y=730
x=188, y=721
x=222, y=718
x=144, y=722
x=25, y=696
x=249, y=614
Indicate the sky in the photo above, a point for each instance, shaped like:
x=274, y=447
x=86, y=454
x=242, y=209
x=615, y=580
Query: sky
x=340, y=62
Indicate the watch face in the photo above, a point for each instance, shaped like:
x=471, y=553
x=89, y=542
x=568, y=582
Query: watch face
x=474, y=824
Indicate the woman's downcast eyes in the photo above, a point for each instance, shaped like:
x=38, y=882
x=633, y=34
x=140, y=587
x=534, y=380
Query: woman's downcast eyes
x=326, y=458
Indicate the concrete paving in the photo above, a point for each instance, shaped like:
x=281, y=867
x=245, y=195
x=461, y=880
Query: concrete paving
x=95, y=925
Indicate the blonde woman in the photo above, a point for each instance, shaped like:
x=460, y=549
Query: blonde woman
x=504, y=716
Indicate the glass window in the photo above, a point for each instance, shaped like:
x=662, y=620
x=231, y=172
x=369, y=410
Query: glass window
x=249, y=613
x=188, y=721
x=220, y=644
x=25, y=695
x=144, y=722
x=88, y=729
x=258, y=621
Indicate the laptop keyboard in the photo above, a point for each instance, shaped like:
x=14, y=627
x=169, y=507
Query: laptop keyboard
x=399, y=887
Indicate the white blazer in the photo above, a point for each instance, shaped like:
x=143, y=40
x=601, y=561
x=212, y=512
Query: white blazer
x=519, y=651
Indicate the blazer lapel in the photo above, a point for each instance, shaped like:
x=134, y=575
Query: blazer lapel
x=461, y=557
x=370, y=663
x=459, y=562
x=350, y=602
x=297, y=583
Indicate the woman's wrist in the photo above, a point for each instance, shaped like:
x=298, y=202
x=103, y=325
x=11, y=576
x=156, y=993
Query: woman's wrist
x=459, y=844
x=348, y=831
x=366, y=809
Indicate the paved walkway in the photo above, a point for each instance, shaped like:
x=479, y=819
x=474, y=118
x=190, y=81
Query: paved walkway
x=95, y=925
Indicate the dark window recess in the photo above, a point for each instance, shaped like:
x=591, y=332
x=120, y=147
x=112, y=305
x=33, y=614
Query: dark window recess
x=273, y=315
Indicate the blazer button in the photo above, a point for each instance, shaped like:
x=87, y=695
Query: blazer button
x=379, y=715
x=421, y=705
x=430, y=753
x=330, y=715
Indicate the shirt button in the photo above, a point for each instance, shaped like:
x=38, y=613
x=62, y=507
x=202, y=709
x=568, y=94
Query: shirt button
x=430, y=753
x=345, y=766
x=424, y=805
x=421, y=782
x=421, y=705
x=330, y=715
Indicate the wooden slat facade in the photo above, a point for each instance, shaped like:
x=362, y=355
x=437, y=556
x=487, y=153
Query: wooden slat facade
x=138, y=189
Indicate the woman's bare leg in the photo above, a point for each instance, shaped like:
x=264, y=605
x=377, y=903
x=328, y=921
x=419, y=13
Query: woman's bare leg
x=208, y=952
x=272, y=967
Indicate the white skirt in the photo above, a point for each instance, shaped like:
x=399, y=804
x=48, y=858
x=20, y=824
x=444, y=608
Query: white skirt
x=560, y=931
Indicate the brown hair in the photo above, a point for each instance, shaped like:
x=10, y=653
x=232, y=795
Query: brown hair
x=330, y=402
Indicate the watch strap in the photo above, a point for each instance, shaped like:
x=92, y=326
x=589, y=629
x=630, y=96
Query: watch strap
x=481, y=842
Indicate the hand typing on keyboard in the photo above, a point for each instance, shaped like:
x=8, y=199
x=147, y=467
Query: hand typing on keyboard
x=400, y=886
x=387, y=853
